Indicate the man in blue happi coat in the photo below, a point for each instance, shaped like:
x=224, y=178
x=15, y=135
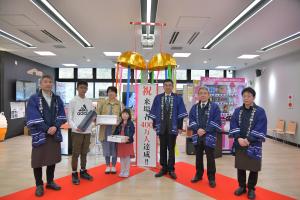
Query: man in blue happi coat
x=45, y=114
x=205, y=121
x=248, y=127
x=167, y=113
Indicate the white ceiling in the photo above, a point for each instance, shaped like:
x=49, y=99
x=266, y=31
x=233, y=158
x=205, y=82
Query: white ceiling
x=105, y=24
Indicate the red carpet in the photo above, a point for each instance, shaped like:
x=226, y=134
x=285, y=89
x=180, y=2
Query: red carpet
x=70, y=191
x=225, y=185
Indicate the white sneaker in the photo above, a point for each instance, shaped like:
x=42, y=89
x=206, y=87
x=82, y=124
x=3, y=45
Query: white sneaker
x=113, y=170
x=107, y=170
x=121, y=174
x=126, y=174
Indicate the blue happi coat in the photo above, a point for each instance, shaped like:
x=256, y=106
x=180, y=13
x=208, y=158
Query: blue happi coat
x=256, y=135
x=213, y=125
x=178, y=112
x=36, y=118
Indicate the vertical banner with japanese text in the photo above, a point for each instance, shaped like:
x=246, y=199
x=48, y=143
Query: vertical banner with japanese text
x=146, y=136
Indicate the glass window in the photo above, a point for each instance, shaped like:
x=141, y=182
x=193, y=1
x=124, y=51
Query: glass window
x=123, y=94
x=138, y=74
x=85, y=73
x=100, y=89
x=66, y=73
x=229, y=74
x=103, y=73
x=181, y=74
x=90, y=92
x=216, y=73
x=179, y=86
x=66, y=90
x=197, y=74
x=161, y=75
x=124, y=73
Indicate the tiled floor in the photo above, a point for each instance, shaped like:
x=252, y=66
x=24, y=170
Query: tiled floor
x=280, y=173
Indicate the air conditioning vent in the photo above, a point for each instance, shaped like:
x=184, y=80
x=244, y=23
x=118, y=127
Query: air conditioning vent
x=147, y=41
x=193, y=37
x=173, y=37
x=42, y=36
x=51, y=36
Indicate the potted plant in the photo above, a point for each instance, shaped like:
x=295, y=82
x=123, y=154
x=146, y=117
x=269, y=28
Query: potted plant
x=3, y=126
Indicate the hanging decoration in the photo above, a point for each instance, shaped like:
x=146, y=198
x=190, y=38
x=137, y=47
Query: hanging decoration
x=128, y=87
x=161, y=61
x=134, y=59
x=164, y=61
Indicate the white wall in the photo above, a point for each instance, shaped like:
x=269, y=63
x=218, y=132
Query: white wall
x=280, y=78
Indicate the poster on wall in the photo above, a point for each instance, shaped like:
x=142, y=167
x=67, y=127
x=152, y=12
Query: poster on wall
x=17, y=110
x=146, y=149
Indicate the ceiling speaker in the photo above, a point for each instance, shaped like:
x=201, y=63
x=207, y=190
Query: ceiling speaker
x=258, y=72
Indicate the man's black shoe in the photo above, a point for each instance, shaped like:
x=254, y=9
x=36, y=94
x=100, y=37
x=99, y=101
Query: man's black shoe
x=85, y=175
x=240, y=191
x=161, y=173
x=75, y=179
x=212, y=183
x=251, y=194
x=196, y=179
x=53, y=186
x=173, y=175
x=39, y=191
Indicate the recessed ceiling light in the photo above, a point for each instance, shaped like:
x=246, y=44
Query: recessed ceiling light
x=54, y=14
x=223, y=67
x=45, y=53
x=112, y=53
x=280, y=42
x=148, y=10
x=70, y=65
x=181, y=55
x=205, y=61
x=246, y=14
x=248, y=56
x=15, y=39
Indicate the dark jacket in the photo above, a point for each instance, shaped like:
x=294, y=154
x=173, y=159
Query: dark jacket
x=257, y=132
x=129, y=130
x=212, y=127
x=40, y=117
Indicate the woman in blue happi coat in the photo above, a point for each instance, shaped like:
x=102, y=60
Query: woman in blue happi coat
x=205, y=121
x=248, y=127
